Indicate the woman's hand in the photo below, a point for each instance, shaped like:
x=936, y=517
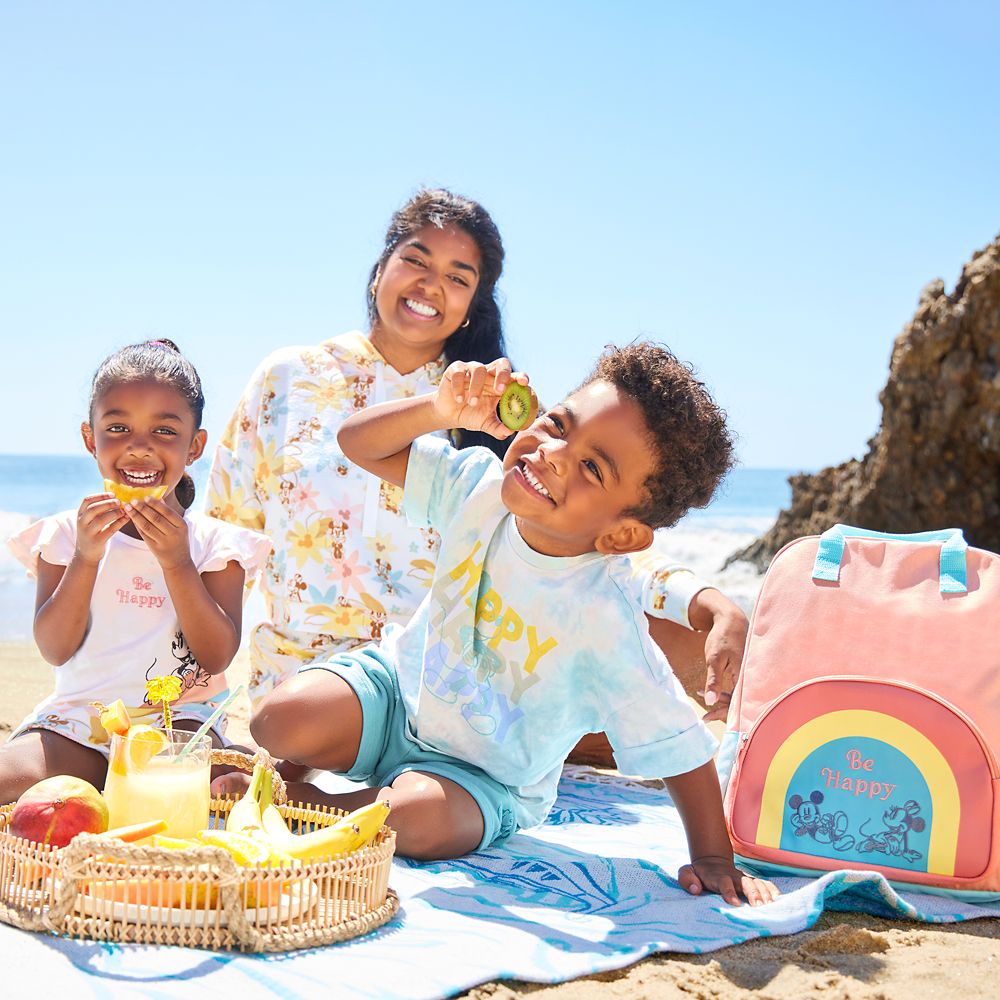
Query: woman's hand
x=469, y=392
x=163, y=530
x=97, y=519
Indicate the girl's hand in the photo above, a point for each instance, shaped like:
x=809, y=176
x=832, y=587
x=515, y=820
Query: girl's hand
x=163, y=530
x=722, y=876
x=98, y=518
x=469, y=391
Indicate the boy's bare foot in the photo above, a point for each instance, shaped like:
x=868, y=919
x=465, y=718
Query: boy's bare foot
x=233, y=783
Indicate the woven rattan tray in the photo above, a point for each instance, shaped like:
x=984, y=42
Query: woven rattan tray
x=104, y=890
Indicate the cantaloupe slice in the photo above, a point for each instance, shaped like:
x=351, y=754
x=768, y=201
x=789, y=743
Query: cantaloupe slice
x=115, y=718
x=128, y=493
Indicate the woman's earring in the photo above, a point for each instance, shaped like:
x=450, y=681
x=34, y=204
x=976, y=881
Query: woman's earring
x=465, y=324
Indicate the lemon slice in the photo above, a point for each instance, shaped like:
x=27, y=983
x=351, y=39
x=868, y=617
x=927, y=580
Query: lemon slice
x=245, y=850
x=126, y=493
x=174, y=843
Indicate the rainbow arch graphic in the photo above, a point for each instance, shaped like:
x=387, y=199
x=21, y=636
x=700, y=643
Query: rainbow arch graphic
x=945, y=800
x=938, y=744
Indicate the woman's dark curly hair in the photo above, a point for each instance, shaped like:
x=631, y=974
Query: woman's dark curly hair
x=687, y=431
x=482, y=340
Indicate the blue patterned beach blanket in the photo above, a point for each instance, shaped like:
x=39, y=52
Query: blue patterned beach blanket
x=592, y=890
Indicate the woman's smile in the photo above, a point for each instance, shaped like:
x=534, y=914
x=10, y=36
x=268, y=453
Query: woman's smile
x=421, y=308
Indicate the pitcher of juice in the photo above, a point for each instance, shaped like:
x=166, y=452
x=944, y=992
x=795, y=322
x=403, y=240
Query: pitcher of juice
x=151, y=776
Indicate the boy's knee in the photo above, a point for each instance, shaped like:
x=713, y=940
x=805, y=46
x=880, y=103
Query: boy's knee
x=272, y=725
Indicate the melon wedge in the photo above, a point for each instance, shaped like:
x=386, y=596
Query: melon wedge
x=115, y=718
x=126, y=494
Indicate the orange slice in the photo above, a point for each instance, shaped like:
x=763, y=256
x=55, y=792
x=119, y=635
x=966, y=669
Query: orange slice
x=137, y=749
x=128, y=493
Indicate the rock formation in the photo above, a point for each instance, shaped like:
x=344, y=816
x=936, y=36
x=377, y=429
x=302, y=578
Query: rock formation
x=935, y=461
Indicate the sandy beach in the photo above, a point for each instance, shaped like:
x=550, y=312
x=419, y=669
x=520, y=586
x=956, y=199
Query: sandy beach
x=852, y=956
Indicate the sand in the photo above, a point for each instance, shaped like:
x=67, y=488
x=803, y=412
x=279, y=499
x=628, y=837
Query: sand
x=844, y=956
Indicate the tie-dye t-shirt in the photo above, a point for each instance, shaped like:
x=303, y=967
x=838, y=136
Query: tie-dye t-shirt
x=514, y=655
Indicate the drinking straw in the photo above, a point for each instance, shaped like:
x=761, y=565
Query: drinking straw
x=207, y=724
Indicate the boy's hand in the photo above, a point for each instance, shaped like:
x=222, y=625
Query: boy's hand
x=724, y=647
x=722, y=876
x=163, y=530
x=469, y=391
x=97, y=519
x=727, y=626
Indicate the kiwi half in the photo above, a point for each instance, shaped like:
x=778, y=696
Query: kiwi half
x=514, y=408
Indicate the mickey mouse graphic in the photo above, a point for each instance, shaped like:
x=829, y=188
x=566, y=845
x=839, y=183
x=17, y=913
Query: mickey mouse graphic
x=894, y=839
x=825, y=828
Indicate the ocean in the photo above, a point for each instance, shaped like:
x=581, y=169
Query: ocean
x=32, y=486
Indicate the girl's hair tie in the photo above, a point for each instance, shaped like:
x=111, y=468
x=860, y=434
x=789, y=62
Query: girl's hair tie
x=163, y=342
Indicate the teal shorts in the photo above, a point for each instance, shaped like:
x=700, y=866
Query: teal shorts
x=387, y=751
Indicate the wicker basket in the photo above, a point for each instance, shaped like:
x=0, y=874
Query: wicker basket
x=104, y=890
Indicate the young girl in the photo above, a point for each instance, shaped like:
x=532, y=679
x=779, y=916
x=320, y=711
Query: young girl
x=127, y=592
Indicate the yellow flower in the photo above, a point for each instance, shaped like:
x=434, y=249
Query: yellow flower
x=323, y=393
x=308, y=541
x=233, y=505
x=271, y=466
x=165, y=688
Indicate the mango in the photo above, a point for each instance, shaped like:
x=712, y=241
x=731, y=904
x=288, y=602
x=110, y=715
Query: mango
x=53, y=811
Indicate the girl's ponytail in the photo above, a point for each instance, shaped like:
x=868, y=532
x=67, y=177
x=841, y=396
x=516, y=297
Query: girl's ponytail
x=184, y=491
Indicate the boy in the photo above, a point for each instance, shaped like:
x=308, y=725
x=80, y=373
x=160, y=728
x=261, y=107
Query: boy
x=532, y=633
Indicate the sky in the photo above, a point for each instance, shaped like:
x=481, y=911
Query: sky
x=764, y=187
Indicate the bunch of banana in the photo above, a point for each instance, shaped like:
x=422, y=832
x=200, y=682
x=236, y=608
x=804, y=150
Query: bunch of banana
x=349, y=833
x=255, y=817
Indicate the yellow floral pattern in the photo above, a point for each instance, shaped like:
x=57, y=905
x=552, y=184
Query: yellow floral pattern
x=280, y=470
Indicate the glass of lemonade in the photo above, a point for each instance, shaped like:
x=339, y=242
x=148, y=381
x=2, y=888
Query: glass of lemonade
x=146, y=781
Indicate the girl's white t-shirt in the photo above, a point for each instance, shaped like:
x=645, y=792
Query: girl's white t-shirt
x=134, y=634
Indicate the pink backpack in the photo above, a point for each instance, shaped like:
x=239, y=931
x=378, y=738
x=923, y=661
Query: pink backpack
x=864, y=731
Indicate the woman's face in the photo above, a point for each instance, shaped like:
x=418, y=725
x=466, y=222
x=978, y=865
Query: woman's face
x=423, y=294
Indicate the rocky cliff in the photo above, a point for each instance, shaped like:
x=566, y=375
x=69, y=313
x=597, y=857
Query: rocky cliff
x=935, y=461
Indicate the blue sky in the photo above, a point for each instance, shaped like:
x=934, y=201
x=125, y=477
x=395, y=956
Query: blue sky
x=765, y=187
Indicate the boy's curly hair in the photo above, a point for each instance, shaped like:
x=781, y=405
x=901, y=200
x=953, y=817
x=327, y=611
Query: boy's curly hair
x=692, y=446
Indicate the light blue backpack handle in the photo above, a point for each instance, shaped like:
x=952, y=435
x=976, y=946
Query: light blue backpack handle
x=952, y=560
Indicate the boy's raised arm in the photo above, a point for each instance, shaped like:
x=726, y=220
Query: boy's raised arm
x=378, y=438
